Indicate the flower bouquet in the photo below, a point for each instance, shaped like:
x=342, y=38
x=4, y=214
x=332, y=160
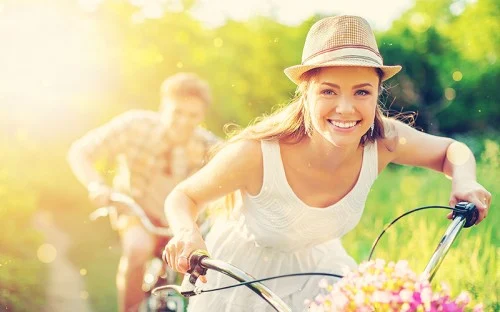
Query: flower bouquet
x=380, y=286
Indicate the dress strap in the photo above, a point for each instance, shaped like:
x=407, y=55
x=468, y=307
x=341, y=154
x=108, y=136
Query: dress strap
x=271, y=159
x=371, y=154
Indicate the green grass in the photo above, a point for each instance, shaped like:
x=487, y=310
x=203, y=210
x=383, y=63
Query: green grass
x=95, y=249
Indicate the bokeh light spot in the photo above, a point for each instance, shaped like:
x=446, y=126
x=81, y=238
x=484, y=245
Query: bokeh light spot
x=457, y=75
x=218, y=42
x=179, y=65
x=420, y=22
x=46, y=253
x=84, y=294
x=402, y=140
x=458, y=153
x=83, y=272
x=450, y=94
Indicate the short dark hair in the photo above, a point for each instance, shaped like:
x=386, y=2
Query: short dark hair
x=182, y=85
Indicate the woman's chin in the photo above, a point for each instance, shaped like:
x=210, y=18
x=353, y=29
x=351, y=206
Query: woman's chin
x=343, y=141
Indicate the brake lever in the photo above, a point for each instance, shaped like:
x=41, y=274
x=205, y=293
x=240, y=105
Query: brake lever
x=186, y=289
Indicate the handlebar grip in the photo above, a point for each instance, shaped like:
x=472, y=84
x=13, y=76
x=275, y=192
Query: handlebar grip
x=195, y=267
x=469, y=212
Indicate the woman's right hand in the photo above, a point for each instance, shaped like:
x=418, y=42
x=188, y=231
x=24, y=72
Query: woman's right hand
x=178, y=249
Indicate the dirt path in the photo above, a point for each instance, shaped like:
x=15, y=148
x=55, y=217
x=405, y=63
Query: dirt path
x=66, y=288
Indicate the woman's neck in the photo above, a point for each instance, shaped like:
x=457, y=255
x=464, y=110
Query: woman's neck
x=324, y=154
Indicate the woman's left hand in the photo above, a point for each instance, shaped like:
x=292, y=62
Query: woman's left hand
x=472, y=192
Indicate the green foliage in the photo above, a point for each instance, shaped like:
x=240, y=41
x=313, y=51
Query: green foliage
x=22, y=275
x=449, y=53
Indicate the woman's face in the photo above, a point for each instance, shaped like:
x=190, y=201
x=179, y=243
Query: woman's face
x=342, y=103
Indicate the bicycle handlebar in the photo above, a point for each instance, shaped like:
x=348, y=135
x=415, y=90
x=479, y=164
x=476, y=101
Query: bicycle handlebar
x=461, y=219
x=200, y=262
x=132, y=207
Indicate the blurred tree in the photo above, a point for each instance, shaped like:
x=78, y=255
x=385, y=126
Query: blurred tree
x=449, y=67
x=448, y=49
x=418, y=87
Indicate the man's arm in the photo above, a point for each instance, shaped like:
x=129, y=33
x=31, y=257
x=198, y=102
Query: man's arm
x=105, y=141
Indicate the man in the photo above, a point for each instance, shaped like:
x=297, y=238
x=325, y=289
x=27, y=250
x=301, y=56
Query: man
x=153, y=151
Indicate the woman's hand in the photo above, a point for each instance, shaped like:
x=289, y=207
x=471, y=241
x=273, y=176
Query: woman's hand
x=472, y=192
x=178, y=249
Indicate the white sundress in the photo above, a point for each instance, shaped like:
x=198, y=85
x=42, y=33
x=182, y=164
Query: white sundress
x=276, y=233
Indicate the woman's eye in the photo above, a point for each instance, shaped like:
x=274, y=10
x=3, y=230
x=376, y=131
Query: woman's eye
x=362, y=92
x=328, y=92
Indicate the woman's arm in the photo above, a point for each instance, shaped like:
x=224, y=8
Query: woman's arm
x=445, y=155
x=238, y=166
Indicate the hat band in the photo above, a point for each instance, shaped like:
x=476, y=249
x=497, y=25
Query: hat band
x=358, y=53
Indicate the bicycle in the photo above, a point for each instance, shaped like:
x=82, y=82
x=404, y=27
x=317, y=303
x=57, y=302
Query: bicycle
x=156, y=273
x=464, y=215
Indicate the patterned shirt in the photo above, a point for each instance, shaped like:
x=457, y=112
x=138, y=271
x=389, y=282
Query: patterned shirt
x=147, y=166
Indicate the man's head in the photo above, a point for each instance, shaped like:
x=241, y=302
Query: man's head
x=185, y=98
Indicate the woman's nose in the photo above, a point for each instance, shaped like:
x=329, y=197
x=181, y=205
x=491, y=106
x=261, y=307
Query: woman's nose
x=344, y=106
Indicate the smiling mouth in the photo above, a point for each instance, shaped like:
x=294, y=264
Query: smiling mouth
x=344, y=124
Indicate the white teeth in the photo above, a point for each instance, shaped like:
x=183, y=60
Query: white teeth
x=342, y=124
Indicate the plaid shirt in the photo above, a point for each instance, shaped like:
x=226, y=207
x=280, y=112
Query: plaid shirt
x=147, y=166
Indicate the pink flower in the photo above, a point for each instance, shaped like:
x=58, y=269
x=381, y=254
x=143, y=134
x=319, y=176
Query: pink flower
x=381, y=286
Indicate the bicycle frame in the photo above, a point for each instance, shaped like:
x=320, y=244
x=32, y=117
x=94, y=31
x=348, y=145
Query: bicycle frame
x=200, y=262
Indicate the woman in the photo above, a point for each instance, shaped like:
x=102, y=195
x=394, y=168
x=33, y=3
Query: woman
x=304, y=173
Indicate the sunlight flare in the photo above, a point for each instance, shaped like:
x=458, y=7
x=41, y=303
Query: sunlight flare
x=458, y=153
x=46, y=253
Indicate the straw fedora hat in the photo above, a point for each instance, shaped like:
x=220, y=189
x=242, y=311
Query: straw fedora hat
x=340, y=41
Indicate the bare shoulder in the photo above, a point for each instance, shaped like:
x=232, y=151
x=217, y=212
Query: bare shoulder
x=238, y=165
x=246, y=163
x=246, y=153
